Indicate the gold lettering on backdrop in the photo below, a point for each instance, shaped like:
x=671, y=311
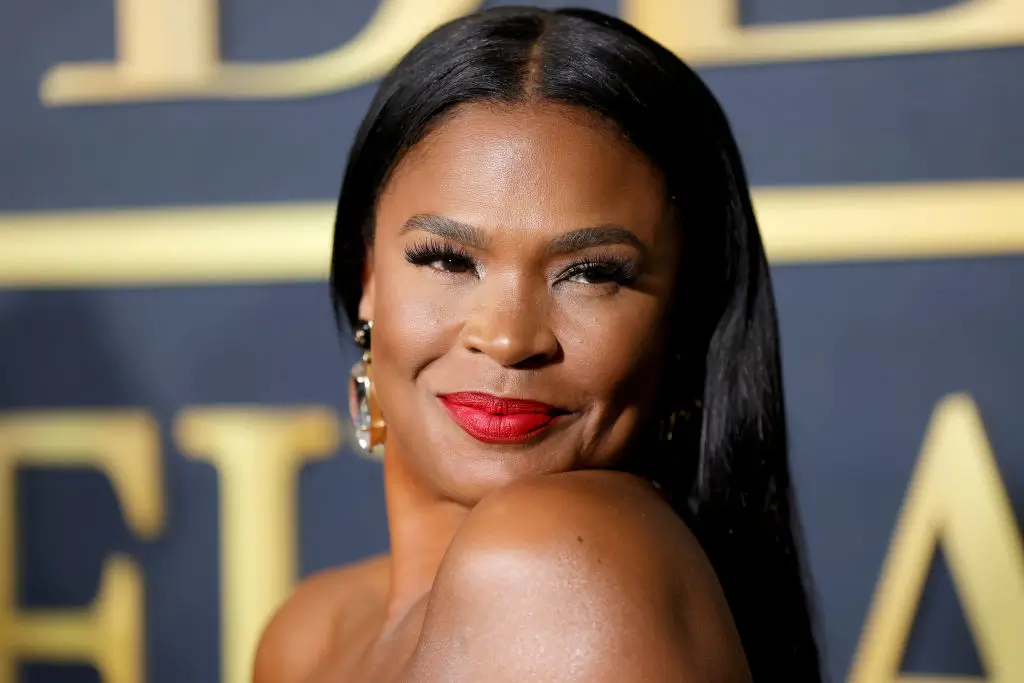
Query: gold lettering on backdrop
x=257, y=454
x=956, y=498
x=110, y=633
x=706, y=32
x=168, y=50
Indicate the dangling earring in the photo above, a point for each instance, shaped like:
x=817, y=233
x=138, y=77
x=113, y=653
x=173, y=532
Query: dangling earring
x=678, y=432
x=677, y=419
x=367, y=420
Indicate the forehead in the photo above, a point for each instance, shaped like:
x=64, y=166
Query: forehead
x=531, y=166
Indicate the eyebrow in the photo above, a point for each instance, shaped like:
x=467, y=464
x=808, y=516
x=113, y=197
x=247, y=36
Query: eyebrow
x=448, y=228
x=598, y=236
x=576, y=240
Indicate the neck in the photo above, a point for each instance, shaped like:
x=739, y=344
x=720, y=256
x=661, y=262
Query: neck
x=421, y=525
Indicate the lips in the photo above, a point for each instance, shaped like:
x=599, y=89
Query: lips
x=493, y=419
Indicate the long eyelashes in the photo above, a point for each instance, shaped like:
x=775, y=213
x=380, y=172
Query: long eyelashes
x=620, y=271
x=440, y=256
x=451, y=259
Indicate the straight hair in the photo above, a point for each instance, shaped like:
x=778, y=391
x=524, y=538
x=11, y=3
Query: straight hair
x=725, y=468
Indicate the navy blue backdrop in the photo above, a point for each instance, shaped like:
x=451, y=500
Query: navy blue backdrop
x=869, y=348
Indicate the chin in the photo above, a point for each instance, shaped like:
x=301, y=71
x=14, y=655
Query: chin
x=466, y=470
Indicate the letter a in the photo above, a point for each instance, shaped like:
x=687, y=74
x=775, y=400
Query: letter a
x=956, y=498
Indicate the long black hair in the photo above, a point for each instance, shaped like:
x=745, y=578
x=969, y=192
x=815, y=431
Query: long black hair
x=725, y=471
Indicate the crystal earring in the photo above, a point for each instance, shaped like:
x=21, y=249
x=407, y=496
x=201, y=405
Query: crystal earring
x=367, y=420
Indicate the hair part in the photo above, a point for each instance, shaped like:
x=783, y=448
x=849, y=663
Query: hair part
x=727, y=472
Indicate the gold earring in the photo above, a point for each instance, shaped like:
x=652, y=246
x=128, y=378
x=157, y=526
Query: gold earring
x=367, y=421
x=677, y=418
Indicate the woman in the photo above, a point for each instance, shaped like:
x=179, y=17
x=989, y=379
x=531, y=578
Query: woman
x=545, y=229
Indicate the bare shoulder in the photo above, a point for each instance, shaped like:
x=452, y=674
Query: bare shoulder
x=616, y=521
x=601, y=502
x=579, y=576
x=300, y=632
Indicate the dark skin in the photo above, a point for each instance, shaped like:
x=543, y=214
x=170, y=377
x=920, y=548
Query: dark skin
x=525, y=252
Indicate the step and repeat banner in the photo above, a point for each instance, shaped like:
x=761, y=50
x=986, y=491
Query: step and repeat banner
x=173, y=454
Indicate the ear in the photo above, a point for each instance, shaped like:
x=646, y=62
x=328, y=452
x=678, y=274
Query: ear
x=367, y=299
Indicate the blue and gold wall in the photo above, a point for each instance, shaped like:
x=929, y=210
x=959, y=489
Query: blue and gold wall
x=172, y=448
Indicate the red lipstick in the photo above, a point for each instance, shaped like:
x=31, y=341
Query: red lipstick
x=492, y=419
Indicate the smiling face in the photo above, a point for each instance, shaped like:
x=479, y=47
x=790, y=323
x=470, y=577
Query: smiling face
x=520, y=253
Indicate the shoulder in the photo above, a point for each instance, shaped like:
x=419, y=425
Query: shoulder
x=598, y=515
x=581, y=576
x=601, y=520
x=300, y=632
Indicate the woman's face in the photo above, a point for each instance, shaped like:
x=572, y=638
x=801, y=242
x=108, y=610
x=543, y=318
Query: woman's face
x=522, y=262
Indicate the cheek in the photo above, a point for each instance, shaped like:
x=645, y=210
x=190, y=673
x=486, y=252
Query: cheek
x=612, y=355
x=413, y=320
x=613, y=347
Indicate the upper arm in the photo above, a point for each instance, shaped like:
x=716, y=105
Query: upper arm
x=562, y=581
x=296, y=637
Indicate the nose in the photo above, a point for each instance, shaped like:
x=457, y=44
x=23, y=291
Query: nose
x=512, y=330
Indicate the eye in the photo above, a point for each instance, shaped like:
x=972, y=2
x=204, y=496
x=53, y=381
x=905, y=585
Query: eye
x=440, y=256
x=598, y=272
x=451, y=263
